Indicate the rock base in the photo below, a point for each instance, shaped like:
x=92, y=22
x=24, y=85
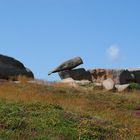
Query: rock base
x=76, y=74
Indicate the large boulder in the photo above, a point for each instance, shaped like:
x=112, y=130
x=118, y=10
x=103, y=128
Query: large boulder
x=122, y=76
x=108, y=84
x=11, y=68
x=68, y=65
x=76, y=74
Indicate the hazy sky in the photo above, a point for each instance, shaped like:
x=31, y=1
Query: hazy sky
x=44, y=33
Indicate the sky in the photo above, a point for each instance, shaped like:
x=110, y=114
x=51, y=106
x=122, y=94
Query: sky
x=44, y=33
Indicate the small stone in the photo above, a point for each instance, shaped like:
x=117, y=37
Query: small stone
x=121, y=88
x=108, y=84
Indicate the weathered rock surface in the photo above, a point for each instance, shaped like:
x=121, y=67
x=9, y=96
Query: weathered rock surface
x=99, y=75
x=119, y=76
x=121, y=88
x=11, y=68
x=68, y=65
x=135, y=74
x=122, y=76
x=76, y=74
x=108, y=84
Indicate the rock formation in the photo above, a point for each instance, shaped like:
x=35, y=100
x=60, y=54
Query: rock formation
x=119, y=76
x=122, y=76
x=68, y=65
x=11, y=68
x=99, y=75
x=108, y=78
x=76, y=74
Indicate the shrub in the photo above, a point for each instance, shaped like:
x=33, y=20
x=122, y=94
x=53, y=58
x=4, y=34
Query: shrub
x=134, y=86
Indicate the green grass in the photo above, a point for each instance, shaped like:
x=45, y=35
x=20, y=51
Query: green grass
x=37, y=121
x=39, y=112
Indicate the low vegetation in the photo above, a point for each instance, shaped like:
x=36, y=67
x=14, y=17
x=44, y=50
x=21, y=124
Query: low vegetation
x=58, y=112
x=134, y=86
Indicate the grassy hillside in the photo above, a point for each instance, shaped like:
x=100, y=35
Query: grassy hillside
x=58, y=112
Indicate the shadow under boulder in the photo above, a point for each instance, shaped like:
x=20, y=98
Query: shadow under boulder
x=76, y=74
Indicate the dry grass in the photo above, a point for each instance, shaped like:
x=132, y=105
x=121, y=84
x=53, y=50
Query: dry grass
x=35, y=93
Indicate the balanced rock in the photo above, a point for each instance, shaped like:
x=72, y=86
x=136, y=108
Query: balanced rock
x=68, y=65
x=108, y=84
x=11, y=68
x=76, y=74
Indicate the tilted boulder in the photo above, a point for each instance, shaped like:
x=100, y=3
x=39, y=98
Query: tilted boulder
x=11, y=68
x=68, y=65
x=76, y=74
